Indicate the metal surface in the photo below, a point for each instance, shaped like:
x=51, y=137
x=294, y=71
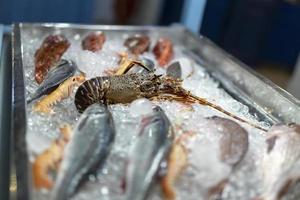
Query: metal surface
x=19, y=118
x=5, y=114
x=266, y=100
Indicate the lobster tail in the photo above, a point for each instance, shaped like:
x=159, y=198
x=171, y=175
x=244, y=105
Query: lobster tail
x=90, y=92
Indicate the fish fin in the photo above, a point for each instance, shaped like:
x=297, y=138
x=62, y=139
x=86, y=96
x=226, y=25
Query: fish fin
x=174, y=70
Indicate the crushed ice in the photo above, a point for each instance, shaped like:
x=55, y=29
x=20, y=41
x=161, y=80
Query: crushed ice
x=42, y=129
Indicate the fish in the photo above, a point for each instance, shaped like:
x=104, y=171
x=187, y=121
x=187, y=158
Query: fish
x=150, y=150
x=50, y=159
x=281, y=161
x=163, y=51
x=92, y=140
x=215, y=153
x=93, y=41
x=50, y=52
x=233, y=142
x=137, y=44
x=63, y=70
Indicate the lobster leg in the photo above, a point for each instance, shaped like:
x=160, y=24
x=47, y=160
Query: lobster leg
x=126, y=64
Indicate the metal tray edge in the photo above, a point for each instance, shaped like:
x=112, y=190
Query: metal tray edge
x=19, y=117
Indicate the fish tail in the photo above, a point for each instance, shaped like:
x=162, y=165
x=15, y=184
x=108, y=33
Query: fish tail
x=205, y=102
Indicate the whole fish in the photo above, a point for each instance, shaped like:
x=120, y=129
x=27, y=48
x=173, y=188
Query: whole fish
x=281, y=158
x=137, y=44
x=233, y=142
x=63, y=70
x=151, y=148
x=93, y=41
x=50, y=52
x=90, y=145
x=215, y=152
x=163, y=51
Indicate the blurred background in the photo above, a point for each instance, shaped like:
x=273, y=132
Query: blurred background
x=265, y=34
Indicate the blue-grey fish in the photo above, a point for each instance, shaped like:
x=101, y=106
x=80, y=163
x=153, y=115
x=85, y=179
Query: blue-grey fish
x=90, y=145
x=151, y=149
x=63, y=70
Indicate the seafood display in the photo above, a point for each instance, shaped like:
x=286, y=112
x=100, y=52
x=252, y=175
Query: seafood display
x=58, y=74
x=90, y=145
x=93, y=41
x=50, y=52
x=155, y=139
x=148, y=122
x=163, y=51
x=137, y=44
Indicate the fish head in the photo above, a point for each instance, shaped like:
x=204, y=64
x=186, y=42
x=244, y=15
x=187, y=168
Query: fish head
x=96, y=109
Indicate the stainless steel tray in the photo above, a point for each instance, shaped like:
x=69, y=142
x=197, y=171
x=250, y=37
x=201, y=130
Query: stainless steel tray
x=264, y=99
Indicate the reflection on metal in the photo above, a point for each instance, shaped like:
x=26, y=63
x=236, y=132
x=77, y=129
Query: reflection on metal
x=193, y=11
x=13, y=183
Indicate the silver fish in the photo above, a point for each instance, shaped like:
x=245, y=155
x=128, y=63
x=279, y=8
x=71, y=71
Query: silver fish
x=174, y=70
x=63, y=70
x=281, y=161
x=90, y=145
x=151, y=148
